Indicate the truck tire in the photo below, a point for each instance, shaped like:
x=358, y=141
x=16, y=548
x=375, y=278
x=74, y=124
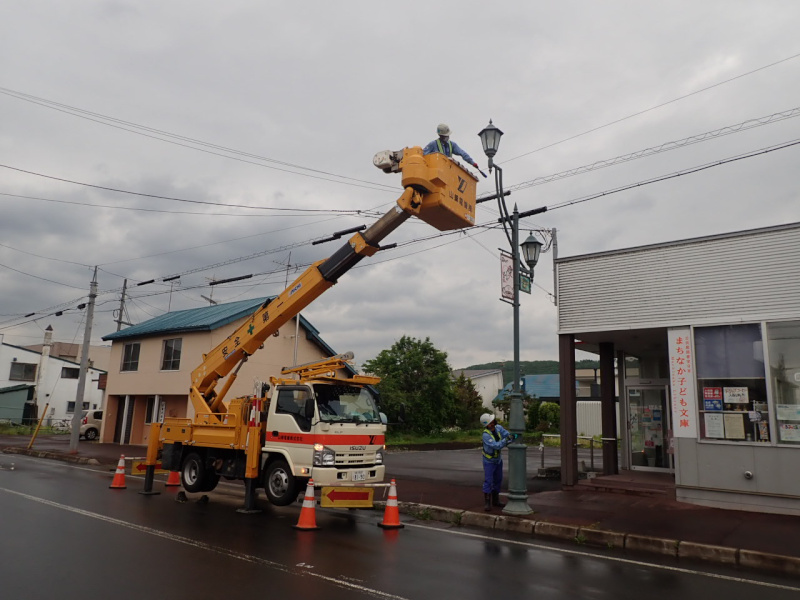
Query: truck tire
x=210, y=480
x=193, y=473
x=279, y=483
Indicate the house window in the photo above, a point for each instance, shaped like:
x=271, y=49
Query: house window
x=22, y=371
x=731, y=383
x=70, y=373
x=172, y=355
x=783, y=340
x=130, y=357
x=71, y=406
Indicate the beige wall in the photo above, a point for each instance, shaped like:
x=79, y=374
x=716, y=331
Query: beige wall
x=277, y=353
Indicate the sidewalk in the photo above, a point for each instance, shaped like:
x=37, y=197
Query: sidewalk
x=642, y=515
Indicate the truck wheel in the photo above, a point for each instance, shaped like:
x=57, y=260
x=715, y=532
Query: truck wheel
x=280, y=484
x=210, y=480
x=193, y=473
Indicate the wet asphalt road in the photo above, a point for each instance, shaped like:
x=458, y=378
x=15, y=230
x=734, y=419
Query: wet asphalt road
x=67, y=535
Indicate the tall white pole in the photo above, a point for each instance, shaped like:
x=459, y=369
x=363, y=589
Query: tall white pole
x=87, y=338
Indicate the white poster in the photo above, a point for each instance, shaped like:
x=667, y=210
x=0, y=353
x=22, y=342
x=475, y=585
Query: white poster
x=507, y=277
x=735, y=395
x=682, y=387
x=714, y=425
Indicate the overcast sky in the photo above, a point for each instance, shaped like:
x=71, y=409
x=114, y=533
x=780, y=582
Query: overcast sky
x=283, y=105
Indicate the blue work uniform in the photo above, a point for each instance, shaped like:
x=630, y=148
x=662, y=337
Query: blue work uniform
x=493, y=442
x=447, y=148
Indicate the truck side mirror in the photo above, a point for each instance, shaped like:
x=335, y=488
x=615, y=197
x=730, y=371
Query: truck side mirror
x=384, y=420
x=308, y=411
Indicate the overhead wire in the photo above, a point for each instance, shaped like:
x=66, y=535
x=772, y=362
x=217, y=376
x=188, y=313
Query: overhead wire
x=101, y=119
x=652, y=108
x=665, y=147
x=173, y=199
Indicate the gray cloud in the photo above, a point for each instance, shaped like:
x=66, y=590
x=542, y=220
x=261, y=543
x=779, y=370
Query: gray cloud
x=325, y=86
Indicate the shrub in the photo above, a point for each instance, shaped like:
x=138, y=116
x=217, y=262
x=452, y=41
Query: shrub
x=550, y=413
x=533, y=415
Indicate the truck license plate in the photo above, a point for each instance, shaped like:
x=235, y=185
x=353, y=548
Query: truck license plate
x=359, y=475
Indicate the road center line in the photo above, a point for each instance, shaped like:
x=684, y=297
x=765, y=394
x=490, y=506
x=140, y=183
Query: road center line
x=209, y=547
x=628, y=561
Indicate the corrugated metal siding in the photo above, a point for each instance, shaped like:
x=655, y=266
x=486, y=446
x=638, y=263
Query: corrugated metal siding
x=590, y=417
x=747, y=276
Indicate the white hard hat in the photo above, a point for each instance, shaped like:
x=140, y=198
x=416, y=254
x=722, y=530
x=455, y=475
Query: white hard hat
x=486, y=418
x=443, y=129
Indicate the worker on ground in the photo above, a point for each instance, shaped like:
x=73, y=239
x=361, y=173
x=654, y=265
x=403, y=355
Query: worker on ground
x=443, y=145
x=495, y=438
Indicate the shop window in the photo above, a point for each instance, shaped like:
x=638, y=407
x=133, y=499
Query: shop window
x=784, y=374
x=731, y=383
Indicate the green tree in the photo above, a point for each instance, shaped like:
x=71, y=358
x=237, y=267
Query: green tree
x=468, y=403
x=549, y=416
x=415, y=375
x=532, y=422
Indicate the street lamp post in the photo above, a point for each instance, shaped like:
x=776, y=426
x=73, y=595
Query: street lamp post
x=517, y=460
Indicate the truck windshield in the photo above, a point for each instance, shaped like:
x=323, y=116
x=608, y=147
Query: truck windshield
x=343, y=403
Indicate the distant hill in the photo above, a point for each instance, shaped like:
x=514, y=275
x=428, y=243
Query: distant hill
x=532, y=367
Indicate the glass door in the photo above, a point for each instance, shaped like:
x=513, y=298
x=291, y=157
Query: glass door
x=648, y=427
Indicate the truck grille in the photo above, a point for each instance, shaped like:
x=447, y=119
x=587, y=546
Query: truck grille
x=347, y=459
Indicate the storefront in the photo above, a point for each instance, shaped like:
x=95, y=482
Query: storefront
x=706, y=333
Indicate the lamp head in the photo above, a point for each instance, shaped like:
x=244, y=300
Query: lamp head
x=490, y=139
x=531, y=248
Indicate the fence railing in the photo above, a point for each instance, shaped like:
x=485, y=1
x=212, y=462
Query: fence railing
x=580, y=437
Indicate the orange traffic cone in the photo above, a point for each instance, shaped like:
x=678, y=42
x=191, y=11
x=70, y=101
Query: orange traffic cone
x=174, y=479
x=308, y=518
x=391, y=516
x=118, y=482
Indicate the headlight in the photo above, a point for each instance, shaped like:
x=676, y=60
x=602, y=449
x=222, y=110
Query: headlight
x=379, y=457
x=324, y=457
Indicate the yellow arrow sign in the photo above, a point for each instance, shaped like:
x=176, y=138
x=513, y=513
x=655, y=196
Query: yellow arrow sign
x=346, y=497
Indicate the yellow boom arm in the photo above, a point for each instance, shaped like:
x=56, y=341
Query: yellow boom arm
x=436, y=189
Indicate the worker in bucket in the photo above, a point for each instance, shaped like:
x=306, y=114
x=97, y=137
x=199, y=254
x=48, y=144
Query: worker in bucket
x=495, y=438
x=443, y=145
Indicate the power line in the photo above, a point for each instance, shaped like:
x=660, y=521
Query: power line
x=681, y=173
x=101, y=119
x=665, y=147
x=641, y=112
x=171, y=212
x=203, y=202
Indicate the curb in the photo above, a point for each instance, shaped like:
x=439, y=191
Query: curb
x=81, y=460
x=612, y=540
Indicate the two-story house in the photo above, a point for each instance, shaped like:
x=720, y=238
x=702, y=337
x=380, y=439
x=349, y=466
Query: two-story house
x=31, y=380
x=151, y=363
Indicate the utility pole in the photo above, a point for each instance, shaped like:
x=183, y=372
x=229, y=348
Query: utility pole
x=121, y=311
x=87, y=338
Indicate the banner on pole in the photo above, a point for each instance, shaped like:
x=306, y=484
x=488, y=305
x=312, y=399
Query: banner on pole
x=507, y=277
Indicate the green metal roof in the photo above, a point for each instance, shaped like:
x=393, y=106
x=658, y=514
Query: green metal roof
x=207, y=318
